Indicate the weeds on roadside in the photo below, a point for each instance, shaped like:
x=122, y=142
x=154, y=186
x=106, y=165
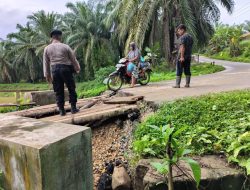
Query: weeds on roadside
x=175, y=153
x=212, y=124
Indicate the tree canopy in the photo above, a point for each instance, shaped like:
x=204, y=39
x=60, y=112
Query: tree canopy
x=100, y=31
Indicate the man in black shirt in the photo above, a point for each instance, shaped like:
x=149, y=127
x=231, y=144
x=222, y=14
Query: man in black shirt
x=184, y=56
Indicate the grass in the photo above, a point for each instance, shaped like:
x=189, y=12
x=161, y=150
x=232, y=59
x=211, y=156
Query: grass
x=198, y=69
x=211, y=124
x=225, y=56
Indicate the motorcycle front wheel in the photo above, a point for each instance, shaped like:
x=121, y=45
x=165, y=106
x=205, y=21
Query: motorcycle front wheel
x=144, y=78
x=114, y=82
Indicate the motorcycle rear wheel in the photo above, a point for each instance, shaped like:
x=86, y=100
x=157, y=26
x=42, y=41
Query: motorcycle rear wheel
x=114, y=83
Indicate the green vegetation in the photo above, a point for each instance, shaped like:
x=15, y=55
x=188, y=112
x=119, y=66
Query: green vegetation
x=197, y=69
x=243, y=57
x=174, y=153
x=1, y=180
x=212, y=124
x=96, y=87
x=100, y=31
x=229, y=43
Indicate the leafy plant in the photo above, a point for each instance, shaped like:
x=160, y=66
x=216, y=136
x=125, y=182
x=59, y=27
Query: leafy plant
x=153, y=53
x=228, y=44
x=240, y=148
x=211, y=124
x=225, y=37
x=174, y=153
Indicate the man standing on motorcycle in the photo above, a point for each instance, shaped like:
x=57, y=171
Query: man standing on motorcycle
x=184, y=56
x=134, y=61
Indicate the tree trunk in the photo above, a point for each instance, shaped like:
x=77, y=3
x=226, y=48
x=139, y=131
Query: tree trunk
x=166, y=33
x=172, y=47
x=153, y=30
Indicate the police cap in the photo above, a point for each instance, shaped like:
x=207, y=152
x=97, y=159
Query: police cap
x=56, y=32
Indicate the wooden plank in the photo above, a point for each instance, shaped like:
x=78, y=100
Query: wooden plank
x=17, y=90
x=123, y=100
x=95, y=114
x=41, y=111
x=8, y=105
x=92, y=110
x=89, y=105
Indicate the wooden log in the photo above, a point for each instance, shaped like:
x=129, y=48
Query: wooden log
x=95, y=114
x=89, y=105
x=92, y=110
x=42, y=111
x=123, y=100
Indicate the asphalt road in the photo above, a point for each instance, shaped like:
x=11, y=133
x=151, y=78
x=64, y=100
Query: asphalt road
x=236, y=76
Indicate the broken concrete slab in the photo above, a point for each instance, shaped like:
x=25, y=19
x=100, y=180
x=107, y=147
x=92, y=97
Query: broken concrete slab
x=216, y=173
x=43, y=155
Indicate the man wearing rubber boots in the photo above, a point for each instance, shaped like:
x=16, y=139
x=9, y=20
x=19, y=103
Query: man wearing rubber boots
x=184, y=56
x=59, y=64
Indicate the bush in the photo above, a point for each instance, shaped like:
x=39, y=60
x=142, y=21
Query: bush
x=246, y=52
x=218, y=123
x=7, y=109
x=103, y=73
x=225, y=37
x=94, y=87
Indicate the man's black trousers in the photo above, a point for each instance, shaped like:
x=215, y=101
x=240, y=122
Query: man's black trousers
x=180, y=66
x=62, y=74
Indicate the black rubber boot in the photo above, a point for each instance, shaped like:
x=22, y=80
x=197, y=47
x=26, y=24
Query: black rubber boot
x=188, y=79
x=74, y=109
x=62, y=111
x=178, y=82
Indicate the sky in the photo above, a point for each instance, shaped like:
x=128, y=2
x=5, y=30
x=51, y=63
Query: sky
x=16, y=11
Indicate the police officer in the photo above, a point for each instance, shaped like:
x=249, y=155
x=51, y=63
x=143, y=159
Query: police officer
x=184, y=56
x=59, y=64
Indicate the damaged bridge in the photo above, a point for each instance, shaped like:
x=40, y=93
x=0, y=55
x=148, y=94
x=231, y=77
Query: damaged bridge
x=92, y=110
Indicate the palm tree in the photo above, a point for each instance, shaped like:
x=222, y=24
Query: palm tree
x=29, y=42
x=6, y=70
x=87, y=34
x=24, y=51
x=247, y=26
x=42, y=24
x=136, y=19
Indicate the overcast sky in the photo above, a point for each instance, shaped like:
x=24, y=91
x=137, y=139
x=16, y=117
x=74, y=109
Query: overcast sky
x=16, y=11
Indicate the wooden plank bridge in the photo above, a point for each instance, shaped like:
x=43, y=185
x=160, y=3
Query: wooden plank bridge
x=91, y=110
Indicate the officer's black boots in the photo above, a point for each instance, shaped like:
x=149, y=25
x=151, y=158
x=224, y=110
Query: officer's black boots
x=188, y=78
x=62, y=111
x=178, y=82
x=74, y=109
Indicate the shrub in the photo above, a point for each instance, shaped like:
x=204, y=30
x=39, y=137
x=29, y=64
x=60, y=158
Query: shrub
x=103, y=73
x=212, y=124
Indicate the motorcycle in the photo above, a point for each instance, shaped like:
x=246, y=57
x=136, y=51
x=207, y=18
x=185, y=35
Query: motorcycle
x=121, y=76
